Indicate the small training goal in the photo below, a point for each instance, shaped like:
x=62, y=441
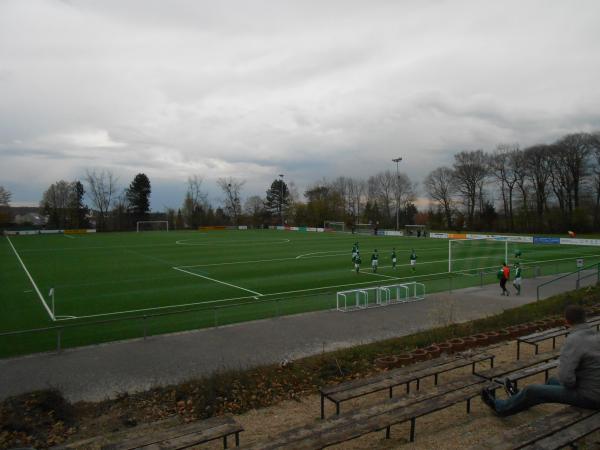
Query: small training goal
x=152, y=225
x=376, y=296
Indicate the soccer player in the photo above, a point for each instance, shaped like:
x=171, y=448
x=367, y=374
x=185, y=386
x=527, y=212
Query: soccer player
x=374, y=260
x=413, y=260
x=357, y=262
x=394, y=258
x=354, y=251
x=517, y=254
x=517, y=281
x=503, y=276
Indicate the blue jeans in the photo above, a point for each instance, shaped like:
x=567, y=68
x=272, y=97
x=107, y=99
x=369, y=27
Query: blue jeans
x=534, y=394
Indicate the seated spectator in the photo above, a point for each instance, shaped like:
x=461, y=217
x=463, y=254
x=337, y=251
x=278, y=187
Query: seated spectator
x=578, y=381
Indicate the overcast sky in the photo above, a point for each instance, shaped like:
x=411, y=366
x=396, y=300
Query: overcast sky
x=310, y=89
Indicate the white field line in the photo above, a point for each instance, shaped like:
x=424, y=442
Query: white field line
x=239, y=242
x=297, y=291
x=32, y=282
x=155, y=308
x=217, y=281
x=68, y=236
x=327, y=253
x=376, y=274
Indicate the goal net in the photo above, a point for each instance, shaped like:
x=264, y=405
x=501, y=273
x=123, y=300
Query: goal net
x=152, y=225
x=476, y=255
x=331, y=225
x=364, y=228
x=415, y=230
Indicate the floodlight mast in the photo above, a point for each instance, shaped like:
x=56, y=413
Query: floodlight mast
x=281, y=199
x=397, y=160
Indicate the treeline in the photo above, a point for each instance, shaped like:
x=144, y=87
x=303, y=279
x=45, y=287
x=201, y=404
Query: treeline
x=543, y=188
x=63, y=203
x=378, y=199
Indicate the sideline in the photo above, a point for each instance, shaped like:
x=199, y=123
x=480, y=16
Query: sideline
x=32, y=281
x=217, y=281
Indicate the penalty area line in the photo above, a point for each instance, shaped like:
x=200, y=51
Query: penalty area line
x=217, y=281
x=32, y=281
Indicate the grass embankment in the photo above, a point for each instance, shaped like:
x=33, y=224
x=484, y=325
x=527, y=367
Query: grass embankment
x=44, y=418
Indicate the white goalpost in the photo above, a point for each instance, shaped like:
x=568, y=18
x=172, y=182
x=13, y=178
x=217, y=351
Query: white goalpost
x=364, y=228
x=334, y=226
x=152, y=225
x=472, y=254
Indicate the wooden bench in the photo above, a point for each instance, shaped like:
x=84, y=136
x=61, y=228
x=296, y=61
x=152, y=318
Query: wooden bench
x=389, y=380
x=544, y=368
x=549, y=432
x=536, y=338
x=382, y=416
x=506, y=369
x=177, y=437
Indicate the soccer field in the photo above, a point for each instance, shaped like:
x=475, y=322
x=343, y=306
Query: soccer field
x=111, y=286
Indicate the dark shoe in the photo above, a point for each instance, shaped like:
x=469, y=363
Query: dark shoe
x=488, y=399
x=510, y=387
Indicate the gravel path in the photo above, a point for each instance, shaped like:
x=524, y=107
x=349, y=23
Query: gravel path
x=103, y=371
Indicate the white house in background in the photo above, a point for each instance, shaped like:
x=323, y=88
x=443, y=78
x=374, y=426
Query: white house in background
x=32, y=218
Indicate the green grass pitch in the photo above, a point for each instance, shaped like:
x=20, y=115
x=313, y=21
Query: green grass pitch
x=106, y=283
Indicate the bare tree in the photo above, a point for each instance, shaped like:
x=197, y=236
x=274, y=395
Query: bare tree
x=5, y=196
x=561, y=182
x=194, y=190
x=101, y=188
x=195, y=202
x=470, y=171
x=254, y=205
x=502, y=169
x=440, y=186
x=56, y=202
x=381, y=188
x=577, y=149
x=404, y=192
x=356, y=194
x=232, y=189
x=538, y=161
x=342, y=186
x=596, y=179
x=254, y=208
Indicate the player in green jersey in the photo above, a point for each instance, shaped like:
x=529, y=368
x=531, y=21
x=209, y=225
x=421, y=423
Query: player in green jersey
x=374, y=260
x=518, y=254
x=517, y=280
x=394, y=260
x=357, y=262
x=354, y=251
x=413, y=260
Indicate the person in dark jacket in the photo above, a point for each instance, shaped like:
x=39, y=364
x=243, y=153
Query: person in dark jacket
x=578, y=381
x=503, y=276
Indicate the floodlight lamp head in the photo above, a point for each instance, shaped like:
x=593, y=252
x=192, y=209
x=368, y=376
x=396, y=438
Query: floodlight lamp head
x=396, y=160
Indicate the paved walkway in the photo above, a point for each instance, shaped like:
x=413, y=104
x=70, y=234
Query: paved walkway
x=103, y=371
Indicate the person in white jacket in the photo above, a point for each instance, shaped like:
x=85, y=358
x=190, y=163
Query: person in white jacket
x=578, y=381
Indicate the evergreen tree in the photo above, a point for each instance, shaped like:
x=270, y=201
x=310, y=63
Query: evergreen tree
x=78, y=210
x=138, y=196
x=278, y=198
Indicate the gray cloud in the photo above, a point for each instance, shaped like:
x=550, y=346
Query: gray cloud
x=306, y=88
